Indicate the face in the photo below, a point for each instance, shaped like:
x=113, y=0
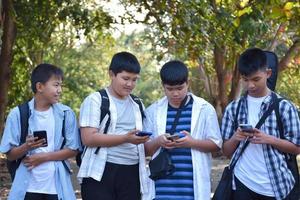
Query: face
x=176, y=93
x=51, y=90
x=256, y=83
x=122, y=83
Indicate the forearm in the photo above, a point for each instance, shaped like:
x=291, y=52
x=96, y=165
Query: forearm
x=205, y=146
x=284, y=146
x=104, y=140
x=17, y=152
x=229, y=147
x=62, y=154
x=151, y=147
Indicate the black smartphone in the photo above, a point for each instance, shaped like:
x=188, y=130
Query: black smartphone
x=41, y=135
x=247, y=128
x=143, y=133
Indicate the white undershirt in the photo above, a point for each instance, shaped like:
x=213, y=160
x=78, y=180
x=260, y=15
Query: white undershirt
x=251, y=168
x=42, y=177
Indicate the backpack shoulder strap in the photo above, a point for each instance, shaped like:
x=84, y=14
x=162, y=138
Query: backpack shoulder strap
x=237, y=115
x=139, y=102
x=24, y=116
x=104, y=109
x=277, y=113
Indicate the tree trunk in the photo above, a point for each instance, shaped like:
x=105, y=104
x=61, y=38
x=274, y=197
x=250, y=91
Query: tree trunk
x=6, y=56
x=289, y=56
x=235, y=82
x=219, y=57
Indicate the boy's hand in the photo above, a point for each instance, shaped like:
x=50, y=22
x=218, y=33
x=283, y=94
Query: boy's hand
x=33, y=143
x=132, y=138
x=34, y=160
x=260, y=137
x=184, y=142
x=164, y=142
x=239, y=135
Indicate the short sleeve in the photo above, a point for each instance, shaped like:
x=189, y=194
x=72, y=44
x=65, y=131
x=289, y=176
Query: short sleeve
x=90, y=111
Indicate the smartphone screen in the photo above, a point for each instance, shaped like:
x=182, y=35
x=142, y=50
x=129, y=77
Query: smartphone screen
x=41, y=135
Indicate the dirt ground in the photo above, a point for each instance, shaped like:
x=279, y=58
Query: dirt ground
x=218, y=164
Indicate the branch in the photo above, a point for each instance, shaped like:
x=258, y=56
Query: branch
x=289, y=56
x=279, y=32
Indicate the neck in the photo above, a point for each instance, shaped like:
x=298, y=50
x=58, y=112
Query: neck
x=40, y=104
x=114, y=94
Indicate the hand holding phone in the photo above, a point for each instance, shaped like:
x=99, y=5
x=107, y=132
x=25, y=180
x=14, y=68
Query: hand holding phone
x=143, y=133
x=41, y=135
x=174, y=136
x=247, y=128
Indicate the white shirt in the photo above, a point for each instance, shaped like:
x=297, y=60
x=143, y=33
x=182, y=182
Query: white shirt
x=42, y=177
x=251, y=168
x=93, y=164
x=204, y=125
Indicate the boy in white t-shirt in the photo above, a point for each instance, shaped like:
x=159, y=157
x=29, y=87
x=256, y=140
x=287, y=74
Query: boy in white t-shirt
x=42, y=174
x=261, y=172
x=117, y=171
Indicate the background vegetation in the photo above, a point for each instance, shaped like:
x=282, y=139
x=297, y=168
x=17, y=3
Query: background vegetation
x=207, y=35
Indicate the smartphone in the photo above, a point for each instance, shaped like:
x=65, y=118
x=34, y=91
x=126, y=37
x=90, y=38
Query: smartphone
x=174, y=136
x=247, y=128
x=143, y=133
x=41, y=135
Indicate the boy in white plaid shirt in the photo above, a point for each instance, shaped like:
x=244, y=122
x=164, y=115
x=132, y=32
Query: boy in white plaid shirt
x=261, y=172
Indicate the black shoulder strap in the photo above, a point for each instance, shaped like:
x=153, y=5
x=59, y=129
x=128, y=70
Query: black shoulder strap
x=258, y=125
x=24, y=116
x=236, y=115
x=139, y=102
x=63, y=134
x=278, y=118
x=104, y=109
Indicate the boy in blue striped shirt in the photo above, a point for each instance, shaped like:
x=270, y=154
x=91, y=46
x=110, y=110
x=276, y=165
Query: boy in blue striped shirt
x=190, y=154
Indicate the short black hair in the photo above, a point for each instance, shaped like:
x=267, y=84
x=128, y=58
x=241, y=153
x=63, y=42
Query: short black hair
x=174, y=72
x=251, y=61
x=43, y=72
x=124, y=61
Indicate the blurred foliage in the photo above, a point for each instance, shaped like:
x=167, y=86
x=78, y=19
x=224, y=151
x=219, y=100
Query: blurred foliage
x=191, y=31
x=44, y=30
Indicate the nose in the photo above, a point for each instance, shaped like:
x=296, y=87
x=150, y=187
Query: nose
x=59, y=89
x=130, y=83
x=250, y=85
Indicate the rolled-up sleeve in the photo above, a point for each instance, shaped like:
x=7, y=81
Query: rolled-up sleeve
x=71, y=131
x=11, y=134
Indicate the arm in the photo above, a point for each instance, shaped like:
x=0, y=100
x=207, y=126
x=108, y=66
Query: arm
x=91, y=138
x=161, y=141
x=39, y=158
x=280, y=144
x=230, y=145
x=188, y=141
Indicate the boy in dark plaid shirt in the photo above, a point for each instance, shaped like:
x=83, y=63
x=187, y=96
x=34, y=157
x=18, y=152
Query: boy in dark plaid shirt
x=261, y=172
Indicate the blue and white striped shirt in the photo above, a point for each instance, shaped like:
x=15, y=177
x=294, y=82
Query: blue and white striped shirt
x=281, y=177
x=179, y=185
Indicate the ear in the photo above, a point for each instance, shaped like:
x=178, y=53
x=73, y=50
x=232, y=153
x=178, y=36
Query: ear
x=111, y=73
x=269, y=72
x=39, y=87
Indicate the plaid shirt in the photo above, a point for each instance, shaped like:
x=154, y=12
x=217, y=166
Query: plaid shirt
x=281, y=177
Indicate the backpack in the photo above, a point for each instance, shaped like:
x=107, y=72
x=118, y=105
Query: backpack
x=13, y=165
x=104, y=109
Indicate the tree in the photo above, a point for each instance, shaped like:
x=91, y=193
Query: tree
x=209, y=35
x=36, y=22
x=6, y=55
